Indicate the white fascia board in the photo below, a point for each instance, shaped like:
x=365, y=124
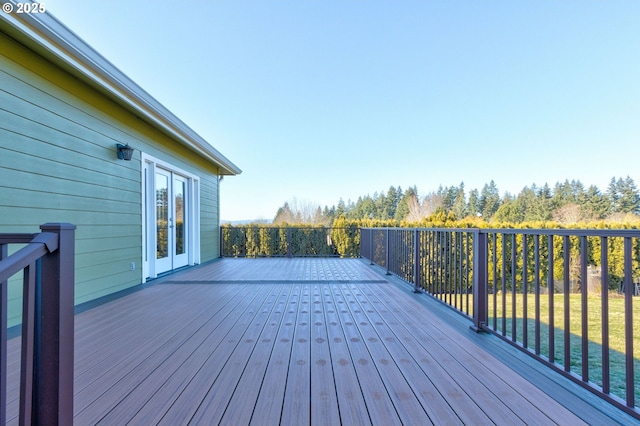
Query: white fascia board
x=50, y=38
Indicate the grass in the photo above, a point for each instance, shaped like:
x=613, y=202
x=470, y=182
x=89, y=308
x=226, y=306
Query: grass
x=594, y=332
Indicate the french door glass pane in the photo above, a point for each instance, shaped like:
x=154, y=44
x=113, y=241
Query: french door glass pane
x=178, y=195
x=162, y=215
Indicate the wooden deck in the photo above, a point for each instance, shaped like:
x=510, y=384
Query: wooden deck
x=292, y=342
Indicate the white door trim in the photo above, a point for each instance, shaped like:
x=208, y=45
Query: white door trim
x=192, y=210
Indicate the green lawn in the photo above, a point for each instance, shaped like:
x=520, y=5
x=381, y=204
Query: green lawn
x=594, y=310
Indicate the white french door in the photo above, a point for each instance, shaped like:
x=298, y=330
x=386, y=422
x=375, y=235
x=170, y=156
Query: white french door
x=172, y=225
x=172, y=221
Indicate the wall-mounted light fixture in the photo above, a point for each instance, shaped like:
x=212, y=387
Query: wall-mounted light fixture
x=124, y=152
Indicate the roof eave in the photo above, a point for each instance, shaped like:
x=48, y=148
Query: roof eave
x=50, y=38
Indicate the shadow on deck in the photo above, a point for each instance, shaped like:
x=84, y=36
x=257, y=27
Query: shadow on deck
x=301, y=341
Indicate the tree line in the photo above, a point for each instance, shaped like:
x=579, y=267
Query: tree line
x=567, y=202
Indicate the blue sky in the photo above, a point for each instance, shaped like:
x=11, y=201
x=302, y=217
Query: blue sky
x=321, y=100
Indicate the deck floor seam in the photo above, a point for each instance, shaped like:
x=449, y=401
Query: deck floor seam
x=271, y=281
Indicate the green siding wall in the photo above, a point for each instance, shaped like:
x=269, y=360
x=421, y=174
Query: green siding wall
x=58, y=164
x=210, y=223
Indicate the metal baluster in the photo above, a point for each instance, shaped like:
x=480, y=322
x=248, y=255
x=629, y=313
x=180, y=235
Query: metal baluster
x=604, y=274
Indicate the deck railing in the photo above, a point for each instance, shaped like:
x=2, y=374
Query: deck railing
x=46, y=379
x=291, y=241
x=565, y=297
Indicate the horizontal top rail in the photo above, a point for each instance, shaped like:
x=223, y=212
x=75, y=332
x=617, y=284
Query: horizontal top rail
x=271, y=226
x=39, y=245
x=16, y=238
x=424, y=229
x=630, y=233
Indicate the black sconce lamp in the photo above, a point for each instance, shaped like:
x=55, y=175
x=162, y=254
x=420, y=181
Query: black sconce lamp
x=124, y=152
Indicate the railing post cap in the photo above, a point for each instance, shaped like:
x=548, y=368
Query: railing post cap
x=57, y=226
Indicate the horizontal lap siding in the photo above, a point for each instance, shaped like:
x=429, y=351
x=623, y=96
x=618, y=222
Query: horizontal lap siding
x=209, y=229
x=58, y=164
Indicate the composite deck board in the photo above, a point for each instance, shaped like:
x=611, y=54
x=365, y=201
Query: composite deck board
x=297, y=410
x=210, y=324
x=281, y=269
x=408, y=406
x=496, y=377
x=404, y=342
x=435, y=403
x=379, y=403
x=152, y=368
x=220, y=391
x=479, y=385
x=443, y=366
x=240, y=407
x=286, y=341
x=352, y=406
x=119, y=331
x=111, y=351
x=143, y=338
x=324, y=406
x=268, y=407
x=216, y=355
